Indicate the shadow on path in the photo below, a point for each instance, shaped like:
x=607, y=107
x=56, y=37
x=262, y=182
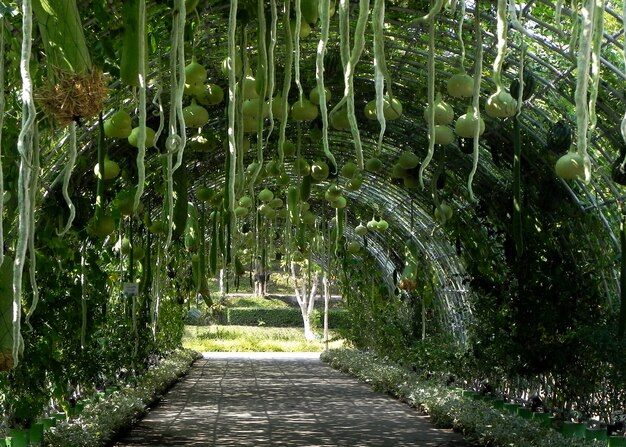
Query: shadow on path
x=253, y=399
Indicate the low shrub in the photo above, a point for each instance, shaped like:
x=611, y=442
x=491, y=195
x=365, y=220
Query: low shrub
x=99, y=422
x=477, y=420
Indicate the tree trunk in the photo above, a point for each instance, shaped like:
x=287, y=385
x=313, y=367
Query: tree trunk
x=326, y=300
x=306, y=301
x=222, y=282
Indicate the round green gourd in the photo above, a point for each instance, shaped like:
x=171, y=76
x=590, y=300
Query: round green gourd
x=461, y=85
x=266, y=195
x=210, y=95
x=133, y=138
x=111, y=169
x=118, y=125
x=319, y=171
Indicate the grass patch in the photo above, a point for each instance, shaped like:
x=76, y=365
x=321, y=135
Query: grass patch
x=252, y=339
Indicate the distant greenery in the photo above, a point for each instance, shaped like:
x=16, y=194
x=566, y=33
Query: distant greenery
x=252, y=339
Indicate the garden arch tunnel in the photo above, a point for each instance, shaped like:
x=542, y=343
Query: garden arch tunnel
x=73, y=238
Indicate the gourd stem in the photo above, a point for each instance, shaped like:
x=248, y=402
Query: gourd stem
x=141, y=139
x=478, y=70
x=286, y=82
x=271, y=68
x=431, y=101
x=298, y=12
x=232, y=147
x=378, y=20
x=69, y=167
x=319, y=76
x=31, y=236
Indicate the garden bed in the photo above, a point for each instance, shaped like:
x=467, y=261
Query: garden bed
x=101, y=421
x=479, y=421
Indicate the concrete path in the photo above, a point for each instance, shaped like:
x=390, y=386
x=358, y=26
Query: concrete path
x=280, y=400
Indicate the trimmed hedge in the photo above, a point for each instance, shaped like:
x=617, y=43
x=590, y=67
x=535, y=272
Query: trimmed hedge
x=287, y=317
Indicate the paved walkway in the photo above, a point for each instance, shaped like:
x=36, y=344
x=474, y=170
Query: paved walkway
x=280, y=400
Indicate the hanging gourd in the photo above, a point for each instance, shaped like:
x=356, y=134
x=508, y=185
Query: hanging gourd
x=266, y=195
x=133, y=138
x=373, y=164
x=444, y=114
x=278, y=108
x=310, y=10
x=195, y=73
x=333, y=192
x=361, y=229
x=349, y=169
x=210, y=95
x=250, y=87
x=443, y=213
x=444, y=135
x=408, y=160
x=111, y=169
x=118, y=125
x=353, y=248
x=314, y=96
x=319, y=171
x=103, y=226
x=304, y=110
x=392, y=109
x=276, y=203
x=570, y=166
x=305, y=29
x=267, y=211
x=466, y=124
x=252, y=109
x=372, y=225
x=195, y=116
x=246, y=201
x=237, y=66
x=241, y=212
x=302, y=167
x=354, y=183
x=339, y=203
x=460, y=85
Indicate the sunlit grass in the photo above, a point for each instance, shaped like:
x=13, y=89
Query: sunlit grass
x=252, y=339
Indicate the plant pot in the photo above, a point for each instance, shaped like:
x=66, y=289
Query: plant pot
x=596, y=433
x=573, y=429
x=510, y=407
x=36, y=433
x=525, y=413
x=19, y=438
x=617, y=441
x=543, y=419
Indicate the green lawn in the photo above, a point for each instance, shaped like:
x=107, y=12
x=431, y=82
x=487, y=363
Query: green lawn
x=251, y=339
